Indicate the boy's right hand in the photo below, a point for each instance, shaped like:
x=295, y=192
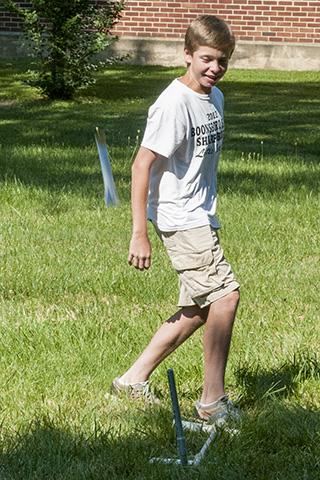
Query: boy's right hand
x=140, y=252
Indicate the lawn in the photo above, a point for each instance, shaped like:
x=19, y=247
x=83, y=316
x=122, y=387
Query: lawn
x=73, y=315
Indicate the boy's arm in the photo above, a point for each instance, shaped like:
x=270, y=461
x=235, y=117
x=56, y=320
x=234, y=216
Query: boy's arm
x=140, y=247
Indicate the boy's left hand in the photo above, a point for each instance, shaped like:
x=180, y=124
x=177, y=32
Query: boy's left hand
x=140, y=252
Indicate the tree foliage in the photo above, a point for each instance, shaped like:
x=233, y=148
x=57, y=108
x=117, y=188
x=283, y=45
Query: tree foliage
x=64, y=36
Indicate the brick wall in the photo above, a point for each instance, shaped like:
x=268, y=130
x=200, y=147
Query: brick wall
x=8, y=22
x=252, y=20
x=12, y=23
x=294, y=21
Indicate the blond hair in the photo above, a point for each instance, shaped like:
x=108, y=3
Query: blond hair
x=211, y=31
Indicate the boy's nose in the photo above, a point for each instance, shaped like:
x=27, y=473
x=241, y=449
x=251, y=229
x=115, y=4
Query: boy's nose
x=215, y=66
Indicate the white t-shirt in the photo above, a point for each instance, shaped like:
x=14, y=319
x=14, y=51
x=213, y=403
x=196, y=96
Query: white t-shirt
x=186, y=129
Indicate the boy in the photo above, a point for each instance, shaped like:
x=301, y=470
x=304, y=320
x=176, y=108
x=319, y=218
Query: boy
x=174, y=186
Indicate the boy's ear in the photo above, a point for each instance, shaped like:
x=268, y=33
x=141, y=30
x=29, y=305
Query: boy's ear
x=187, y=56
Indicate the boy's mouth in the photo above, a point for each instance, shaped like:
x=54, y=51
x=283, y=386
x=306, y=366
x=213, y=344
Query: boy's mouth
x=211, y=78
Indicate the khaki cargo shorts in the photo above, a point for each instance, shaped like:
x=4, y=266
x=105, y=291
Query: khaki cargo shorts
x=204, y=274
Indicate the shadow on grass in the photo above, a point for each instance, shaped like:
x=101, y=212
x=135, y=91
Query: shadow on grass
x=267, y=184
x=47, y=450
x=275, y=443
x=260, y=383
x=284, y=115
x=52, y=144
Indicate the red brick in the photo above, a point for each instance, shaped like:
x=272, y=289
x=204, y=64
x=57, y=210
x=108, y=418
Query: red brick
x=235, y=17
x=293, y=9
x=284, y=24
x=263, y=8
x=277, y=19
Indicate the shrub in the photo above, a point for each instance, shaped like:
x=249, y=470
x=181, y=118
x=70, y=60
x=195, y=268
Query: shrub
x=64, y=37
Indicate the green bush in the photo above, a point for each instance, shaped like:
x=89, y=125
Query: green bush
x=64, y=38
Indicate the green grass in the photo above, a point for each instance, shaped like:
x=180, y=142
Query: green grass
x=73, y=314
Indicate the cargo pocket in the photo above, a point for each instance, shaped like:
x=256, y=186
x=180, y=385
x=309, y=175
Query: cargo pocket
x=196, y=272
x=191, y=261
x=192, y=256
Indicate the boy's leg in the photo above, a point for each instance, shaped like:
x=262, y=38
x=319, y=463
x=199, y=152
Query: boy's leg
x=216, y=342
x=218, y=318
x=167, y=338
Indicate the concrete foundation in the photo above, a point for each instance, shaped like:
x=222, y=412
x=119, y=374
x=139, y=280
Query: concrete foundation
x=153, y=51
x=260, y=55
x=11, y=46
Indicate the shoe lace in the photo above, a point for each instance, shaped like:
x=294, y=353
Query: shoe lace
x=147, y=394
x=142, y=390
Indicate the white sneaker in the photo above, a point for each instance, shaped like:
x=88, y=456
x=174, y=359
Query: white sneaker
x=217, y=412
x=134, y=391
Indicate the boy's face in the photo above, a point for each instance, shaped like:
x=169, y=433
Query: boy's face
x=207, y=66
